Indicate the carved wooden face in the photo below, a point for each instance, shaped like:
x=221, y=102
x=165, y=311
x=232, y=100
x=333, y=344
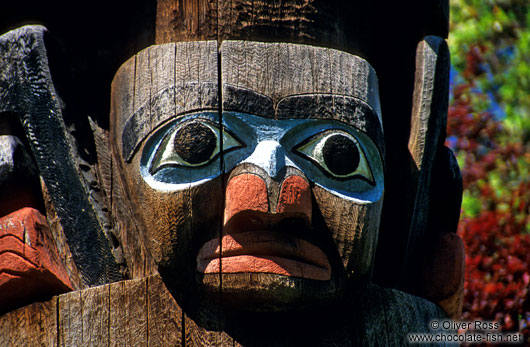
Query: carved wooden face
x=264, y=183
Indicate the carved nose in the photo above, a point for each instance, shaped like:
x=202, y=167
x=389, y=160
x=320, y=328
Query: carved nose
x=271, y=157
x=248, y=193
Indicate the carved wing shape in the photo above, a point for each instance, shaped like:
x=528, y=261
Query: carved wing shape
x=26, y=89
x=435, y=255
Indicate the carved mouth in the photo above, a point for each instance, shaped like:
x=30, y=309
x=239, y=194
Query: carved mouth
x=264, y=252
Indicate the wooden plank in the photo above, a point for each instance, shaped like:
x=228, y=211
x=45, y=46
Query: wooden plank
x=164, y=316
x=42, y=323
x=33, y=325
x=379, y=316
x=208, y=333
x=95, y=316
x=13, y=327
x=70, y=323
x=128, y=313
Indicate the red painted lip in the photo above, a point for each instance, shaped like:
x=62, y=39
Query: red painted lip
x=264, y=252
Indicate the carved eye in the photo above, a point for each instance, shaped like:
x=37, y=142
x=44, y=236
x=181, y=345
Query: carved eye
x=191, y=144
x=338, y=154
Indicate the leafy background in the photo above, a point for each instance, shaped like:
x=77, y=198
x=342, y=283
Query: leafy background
x=489, y=131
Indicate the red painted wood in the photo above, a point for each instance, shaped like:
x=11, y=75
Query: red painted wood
x=30, y=268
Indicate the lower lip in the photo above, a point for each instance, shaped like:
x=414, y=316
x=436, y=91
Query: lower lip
x=264, y=252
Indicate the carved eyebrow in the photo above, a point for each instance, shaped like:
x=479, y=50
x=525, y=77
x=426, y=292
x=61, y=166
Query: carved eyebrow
x=188, y=97
x=346, y=109
x=244, y=100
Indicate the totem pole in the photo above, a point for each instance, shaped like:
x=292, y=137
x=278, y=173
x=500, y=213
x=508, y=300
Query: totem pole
x=261, y=181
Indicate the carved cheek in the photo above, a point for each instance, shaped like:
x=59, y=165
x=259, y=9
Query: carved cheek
x=176, y=223
x=353, y=227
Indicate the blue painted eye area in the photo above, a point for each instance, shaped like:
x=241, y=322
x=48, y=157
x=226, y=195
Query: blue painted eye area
x=338, y=154
x=193, y=143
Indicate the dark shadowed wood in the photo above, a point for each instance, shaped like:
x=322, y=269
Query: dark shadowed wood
x=131, y=313
x=60, y=240
x=132, y=245
x=35, y=325
x=428, y=122
x=24, y=58
x=384, y=317
x=164, y=316
x=186, y=20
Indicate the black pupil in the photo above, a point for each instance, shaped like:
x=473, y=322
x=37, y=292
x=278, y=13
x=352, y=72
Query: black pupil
x=195, y=143
x=340, y=155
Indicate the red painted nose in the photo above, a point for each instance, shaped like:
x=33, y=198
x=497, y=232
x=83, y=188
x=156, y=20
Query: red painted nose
x=248, y=192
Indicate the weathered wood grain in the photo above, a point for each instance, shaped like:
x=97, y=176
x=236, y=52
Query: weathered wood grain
x=60, y=240
x=162, y=70
x=282, y=70
x=104, y=160
x=170, y=224
x=164, y=316
x=96, y=322
x=24, y=59
x=122, y=102
x=35, y=325
x=186, y=20
x=312, y=82
x=153, y=318
x=70, y=327
x=427, y=136
x=128, y=303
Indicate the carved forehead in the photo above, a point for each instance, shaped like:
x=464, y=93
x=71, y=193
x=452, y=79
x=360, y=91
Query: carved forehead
x=260, y=75
x=275, y=80
x=159, y=83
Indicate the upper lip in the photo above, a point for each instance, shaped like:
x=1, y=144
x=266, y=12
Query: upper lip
x=263, y=243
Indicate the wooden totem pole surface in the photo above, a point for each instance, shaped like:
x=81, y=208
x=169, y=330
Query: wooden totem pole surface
x=271, y=174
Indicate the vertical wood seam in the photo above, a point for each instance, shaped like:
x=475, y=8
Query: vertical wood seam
x=147, y=310
x=57, y=321
x=109, y=314
x=223, y=174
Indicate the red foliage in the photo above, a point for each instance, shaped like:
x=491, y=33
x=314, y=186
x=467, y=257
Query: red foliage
x=497, y=238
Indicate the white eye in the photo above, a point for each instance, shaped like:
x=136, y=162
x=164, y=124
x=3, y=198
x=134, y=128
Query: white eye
x=191, y=144
x=338, y=154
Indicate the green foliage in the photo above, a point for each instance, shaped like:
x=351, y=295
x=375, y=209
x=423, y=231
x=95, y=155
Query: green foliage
x=497, y=34
x=489, y=129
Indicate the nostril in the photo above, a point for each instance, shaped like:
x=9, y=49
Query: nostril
x=295, y=197
x=246, y=192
